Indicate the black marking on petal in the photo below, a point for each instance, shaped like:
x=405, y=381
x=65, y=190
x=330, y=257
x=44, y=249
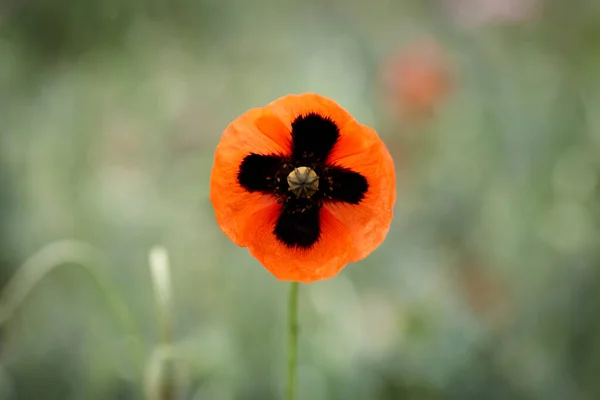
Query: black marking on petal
x=313, y=138
x=260, y=173
x=298, y=225
x=342, y=184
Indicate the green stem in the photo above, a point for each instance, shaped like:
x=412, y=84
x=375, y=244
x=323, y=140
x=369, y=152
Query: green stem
x=164, y=385
x=292, y=356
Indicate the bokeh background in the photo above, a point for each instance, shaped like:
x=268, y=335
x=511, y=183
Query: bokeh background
x=487, y=286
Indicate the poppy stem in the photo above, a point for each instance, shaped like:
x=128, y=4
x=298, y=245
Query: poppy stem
x=292, y=356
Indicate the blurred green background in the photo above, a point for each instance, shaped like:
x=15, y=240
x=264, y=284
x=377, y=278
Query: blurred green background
x=487, y=287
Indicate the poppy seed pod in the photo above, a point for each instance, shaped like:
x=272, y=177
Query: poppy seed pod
x=304, y=186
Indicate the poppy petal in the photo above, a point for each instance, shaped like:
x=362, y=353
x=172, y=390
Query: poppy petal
x=323, y=260
x=290, y=107
x=272, y=127
x=369, y=221
x=258, y=132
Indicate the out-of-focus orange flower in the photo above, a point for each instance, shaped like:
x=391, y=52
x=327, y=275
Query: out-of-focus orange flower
x=485, y=291
x=304, y=186
x=417, y=79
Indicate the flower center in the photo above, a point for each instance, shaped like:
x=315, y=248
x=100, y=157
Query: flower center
x=303, y=182
x=301, y=192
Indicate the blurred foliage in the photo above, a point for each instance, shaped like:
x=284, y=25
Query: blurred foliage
x=488, y=284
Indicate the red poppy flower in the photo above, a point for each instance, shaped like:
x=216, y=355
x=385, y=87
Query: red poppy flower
x=304, y=186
